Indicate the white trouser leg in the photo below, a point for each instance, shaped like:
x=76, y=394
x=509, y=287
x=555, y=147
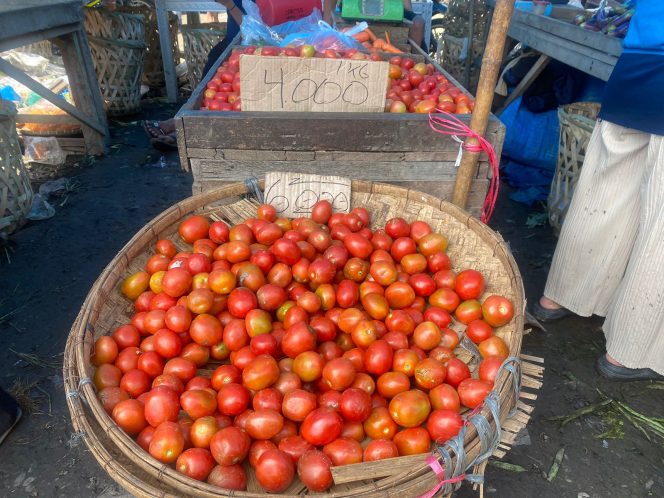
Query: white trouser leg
x=634, y=325
x=602, y=222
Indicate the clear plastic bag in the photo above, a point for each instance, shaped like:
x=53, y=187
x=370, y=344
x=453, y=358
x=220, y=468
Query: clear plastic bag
x=310, y=30
x=44, y=150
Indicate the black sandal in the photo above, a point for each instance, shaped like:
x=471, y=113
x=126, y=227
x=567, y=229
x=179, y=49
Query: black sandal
x=619, y=373
x=153, y=129
x=549, y=315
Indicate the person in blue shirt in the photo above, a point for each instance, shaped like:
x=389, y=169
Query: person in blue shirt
x=609, y=260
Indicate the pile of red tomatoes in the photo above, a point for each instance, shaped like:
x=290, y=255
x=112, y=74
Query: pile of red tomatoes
x=326, y=343
x=413, y=87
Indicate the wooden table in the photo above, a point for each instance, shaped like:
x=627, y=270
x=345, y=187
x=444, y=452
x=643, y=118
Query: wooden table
x=61, y=21
x=591, y=52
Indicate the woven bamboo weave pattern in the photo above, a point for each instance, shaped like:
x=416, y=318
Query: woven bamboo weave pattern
x=198, y=40
x=471, y=245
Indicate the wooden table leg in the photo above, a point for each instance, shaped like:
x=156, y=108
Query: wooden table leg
x=527, y=80
x=84, y=87
x=166, y=51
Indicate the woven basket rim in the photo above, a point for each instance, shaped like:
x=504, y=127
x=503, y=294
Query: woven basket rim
x=114, y=272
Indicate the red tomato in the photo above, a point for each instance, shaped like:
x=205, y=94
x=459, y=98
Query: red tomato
x=380, y=425
x=171, y=381
x=194, y=228
x=229, y=477
x=232, y=399
x=473, y=391
x=380, y=449
x=405, y=361
x=493, y=346
x=261, y=372
x=497, y=310
x=457, y=371
x=478, y=330
x=392, y=383
x=129, y=414
x=264, y=424
x=286, y=251
x=230, y=446
x=468, y=311
x=469, y=285
x=427, y=335
x=412, y=441
x=241, y=301
x=397, y=227
x=167, y=442
x=295, y=447
x=438, y=316
x=176, y=282
x=321, y=426
x=358, y=245
x=219, y=232
x=298, y=339
x=135, y=382
x=125, y=336
x=444, y=425
x=321, y=211
x=403, y=246
x=444, y=397
x=410, y=408
x=344, y=451
x=198, y=403
x=110, y=397
x=445, y=298
x=203, y=429
x=162, y=404
x=339, y=373
x=313, y=468
x=429, y=373
x=489, y=368
x=399, y=295
x=422, y=284
x=378, y=357
x=196, y=463
x=355, y=405
x=183, y=369
x=106, y=349
x=275, y=471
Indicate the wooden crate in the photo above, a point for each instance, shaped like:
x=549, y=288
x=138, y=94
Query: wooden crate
x=222, y=147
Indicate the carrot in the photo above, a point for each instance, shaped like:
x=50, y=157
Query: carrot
x=379, y=43
x=392, y=49
x=367, y=45
x=361, y=37
x=372, y=37
x=387, y=38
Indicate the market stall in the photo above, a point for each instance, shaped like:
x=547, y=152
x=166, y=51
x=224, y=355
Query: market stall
x=30, y=21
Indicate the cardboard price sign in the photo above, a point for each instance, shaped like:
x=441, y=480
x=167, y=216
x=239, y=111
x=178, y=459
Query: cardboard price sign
x=300, y=84
x=294, y=194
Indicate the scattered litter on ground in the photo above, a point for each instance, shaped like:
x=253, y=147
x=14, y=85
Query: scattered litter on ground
x=555, y=466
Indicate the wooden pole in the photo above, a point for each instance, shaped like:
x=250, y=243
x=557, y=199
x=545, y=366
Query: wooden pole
x=493, y=56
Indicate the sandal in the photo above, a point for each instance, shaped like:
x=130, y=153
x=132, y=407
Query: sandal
x=165, y=142
x=153, y=129
x=617, y=372
x=549, y=315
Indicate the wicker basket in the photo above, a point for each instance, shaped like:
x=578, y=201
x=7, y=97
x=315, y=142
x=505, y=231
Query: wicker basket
x=450, y=49
x=198, y=41
x=577, y=122
x=153, y=67
x=15, y=189
x=472, y=245
x=117, y=44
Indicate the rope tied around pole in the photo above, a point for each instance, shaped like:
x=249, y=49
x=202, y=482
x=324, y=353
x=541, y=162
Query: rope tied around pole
x=448, y=124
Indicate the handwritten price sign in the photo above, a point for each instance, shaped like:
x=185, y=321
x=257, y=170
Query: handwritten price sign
x=293, y=84
x=294, y=194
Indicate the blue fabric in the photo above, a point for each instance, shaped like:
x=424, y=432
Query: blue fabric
x=646, y=28
x=634, y=95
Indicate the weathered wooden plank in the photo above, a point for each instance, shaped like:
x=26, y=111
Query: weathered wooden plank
x=569, y=31
x=318, y=132
x=370, y=157
x=573, y=54
x=379, y=171
x=254, y=155
x=47, y=118
x=20, y=17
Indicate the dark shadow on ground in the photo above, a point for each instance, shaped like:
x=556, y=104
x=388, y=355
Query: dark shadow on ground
x=54, y=263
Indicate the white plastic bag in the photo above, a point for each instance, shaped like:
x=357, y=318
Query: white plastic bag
x=44, y=150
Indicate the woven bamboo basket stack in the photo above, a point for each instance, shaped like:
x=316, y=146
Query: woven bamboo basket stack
x=15, y=189
x=198, y=40
x=153, y=67
x=471, y=245
x=452, y=56
x=577, y=122
x=117, y=44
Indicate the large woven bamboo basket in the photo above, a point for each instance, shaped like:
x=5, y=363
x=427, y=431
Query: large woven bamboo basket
x=117, y=45
x=15, y=189
x=577, y=122
x=452, y=56
x=198, y=40
x=472, y=245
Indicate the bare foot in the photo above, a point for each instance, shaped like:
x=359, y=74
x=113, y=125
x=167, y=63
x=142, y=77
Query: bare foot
x=547, y=303
x=167, y=126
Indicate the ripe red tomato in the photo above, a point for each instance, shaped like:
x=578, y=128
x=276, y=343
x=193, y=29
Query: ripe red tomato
x=344, y=451
x=399, y=295
x=286, y=251
x=264, y=424
x=493, y=346
x=313, y=468
x=196, y=463
x=199, y=403
x=355, y=405
x=445, y=298
x=167, y=442
x=473, y=391
x=427, y=335
x=229, y=477
x=339, y=373
x=261, y=372
x=410, y=408
x=203, y=429
x=125, y=336
x=457, y=371
x=444, y=397
x=380, y=449
x=135, y=382
x=469, y=284
x=321, y=211
x=232, y=399
x=183, y=369
x=412, y=441
x=109, y=398
x=106, y=350
x=241, y=301
x=298, y=338
x=478, y=331
x=443, y=425
x=275, y=471
x=489, y=368
x=397, y=227
x=308, y=366
x=295, y=447
x=171, y=381
x=378, y=357
x=129, y=414
x=321, y=426
x=358, y=246
x=167, y=343
x=379, y=424
x=230, y=446
x=497, y=310
x=429, y=373
x=162, y=404
x=392, y=383
x=404, y=361
x=468, y=311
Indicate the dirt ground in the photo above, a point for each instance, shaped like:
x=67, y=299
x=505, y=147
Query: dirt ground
x=49, y=266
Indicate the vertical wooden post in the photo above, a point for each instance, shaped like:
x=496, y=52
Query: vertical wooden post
x=493, y=56
x=166, y=45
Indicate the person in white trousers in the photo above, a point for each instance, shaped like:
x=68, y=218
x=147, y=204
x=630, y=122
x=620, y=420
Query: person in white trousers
x=609, y=260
